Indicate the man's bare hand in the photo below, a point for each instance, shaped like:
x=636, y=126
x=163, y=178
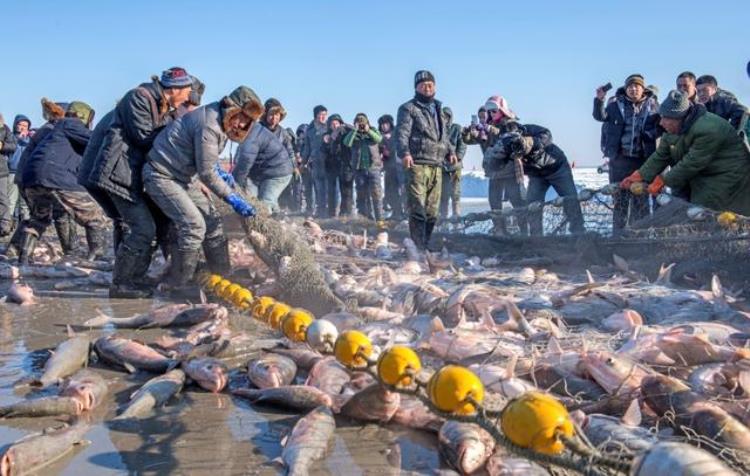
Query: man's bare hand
x=408, y=162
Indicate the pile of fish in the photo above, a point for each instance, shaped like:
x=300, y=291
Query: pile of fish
x=657, y=375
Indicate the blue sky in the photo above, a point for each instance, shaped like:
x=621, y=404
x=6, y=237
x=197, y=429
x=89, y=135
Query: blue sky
x=546, y=57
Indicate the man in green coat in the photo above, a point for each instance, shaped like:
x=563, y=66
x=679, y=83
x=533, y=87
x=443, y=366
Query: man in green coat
x=703, y=152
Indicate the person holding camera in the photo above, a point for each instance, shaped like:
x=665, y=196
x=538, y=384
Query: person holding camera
x=506, y=177
x=338, y=167
x=546, y=166
x=630, y=132
x=423, y=144
x=363, y=142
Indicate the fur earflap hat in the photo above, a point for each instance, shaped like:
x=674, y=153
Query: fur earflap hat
x=51, y=110
x=273, y=106
x=241, y=100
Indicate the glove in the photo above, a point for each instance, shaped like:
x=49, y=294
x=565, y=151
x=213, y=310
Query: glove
x=240, y=206
x=628, y=181
x=225, y=176
x=656, y=186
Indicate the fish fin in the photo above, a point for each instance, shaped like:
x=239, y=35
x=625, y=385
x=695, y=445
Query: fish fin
x=590, y=277
x=100, y=320
x=620, y=263
x=437, y=325
x=554, y=347
x=716, y=288
x=69, y=330
x=129, y=367
x=665, y=275
x=278, y=462
x=744, y=381
x=173, y=365
x=487, y=321
x=633, y=415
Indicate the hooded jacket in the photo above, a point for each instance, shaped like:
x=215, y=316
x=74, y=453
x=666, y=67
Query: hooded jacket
x=138, y=118
x=92, y=149
x=621, y=119
x=21, y=143
x=7, y=148
x=421, y=134
x=313, y=147
x=261, y=156
x=55, y=160
x=708, y=156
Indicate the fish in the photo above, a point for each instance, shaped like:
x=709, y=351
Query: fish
x=412, y=413
x=689, y=349
x=132, y=355
x=21, y=293
x=458, y=344
x=303, y=358
x=502, y=463
x=613, y=434
x=42, y=407
x=292, y=397
x=678, y=459
x=209, y=373
x=271, y=370
x=564, y=383
x=328, y=375
x=32, y=453
x=88, y=387
x=502, y=380
x=174, y=315
x=154, y=393
x=465, y=446
x=624, y=320
x=66, y=359
x=616, y=374
x=308, y=441
x=375, y=403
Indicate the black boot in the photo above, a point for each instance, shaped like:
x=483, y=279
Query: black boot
x=14, y=245
x=67, y=239
x=28, y=244
x=118, y=234
x=181, y=272
x=428, y=227
x=129, y=266
x=217, y=256
x=416, y=230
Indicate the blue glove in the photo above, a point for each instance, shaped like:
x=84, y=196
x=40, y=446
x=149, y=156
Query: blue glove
x=240, y=206
x=225, y=176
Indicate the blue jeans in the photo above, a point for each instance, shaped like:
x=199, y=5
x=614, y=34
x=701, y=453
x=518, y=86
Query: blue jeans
x=269, y=190
x=320, y=185
x=562, y=181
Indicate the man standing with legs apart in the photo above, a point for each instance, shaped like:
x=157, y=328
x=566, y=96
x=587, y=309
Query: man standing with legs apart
x=452, y=172
x=423, y=144
x=139, y=117
x=313, y=157
x=630, y=131
x=187, y=149
x=363, y=142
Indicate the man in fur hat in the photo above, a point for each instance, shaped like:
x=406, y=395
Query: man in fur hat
x=138, y=118
x=187, y=149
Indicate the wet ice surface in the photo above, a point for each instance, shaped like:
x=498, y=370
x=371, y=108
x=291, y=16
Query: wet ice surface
x=197, y=433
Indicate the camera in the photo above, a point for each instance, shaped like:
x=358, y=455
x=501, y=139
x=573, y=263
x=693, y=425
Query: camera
x=607, y=87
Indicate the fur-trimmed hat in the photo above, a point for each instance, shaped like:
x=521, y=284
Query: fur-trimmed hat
x=51, y=110
x=196, y=92
x=241, y=100
x=273, y=106
x=499, y=103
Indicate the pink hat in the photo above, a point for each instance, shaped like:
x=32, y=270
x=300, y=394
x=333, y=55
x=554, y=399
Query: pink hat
x=495, y=103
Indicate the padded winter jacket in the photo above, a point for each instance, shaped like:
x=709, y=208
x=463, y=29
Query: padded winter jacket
x=421, y=134
x=54, y=161
x=261, y=156
x=7, y=148
x=618, y=116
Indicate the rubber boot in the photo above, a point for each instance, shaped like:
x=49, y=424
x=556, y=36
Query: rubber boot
x=14, y=245
x=128, y=266
x=180, y=286
x=96, y=241
x=416, y=230
x=217, y=256
x=28, y=244
x=428, y=227
x=63, y=227
x=118, y=234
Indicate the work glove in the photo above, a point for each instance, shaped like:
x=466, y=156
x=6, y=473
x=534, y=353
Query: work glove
x=225, y=176
x=628, y=181
x=656, y=186
x=240, y=206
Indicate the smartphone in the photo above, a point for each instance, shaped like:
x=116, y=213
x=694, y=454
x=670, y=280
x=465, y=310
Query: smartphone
x=474, y=120
x=607, y=87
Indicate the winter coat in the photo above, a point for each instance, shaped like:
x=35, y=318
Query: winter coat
x=457, y=142
x=545, y=157
x=36, y=139
x=287, y=139
x=338, y=157
x=388, y=151
x=191, y=146
x=7, y=149
x=139, y=117
x=54, y=161
x=725, y=104
x=618, y=117
x=709, y=157
x=313, y=154
x=92, y=150
x=261, y=156
x=421, y=134
x=21, y=144
x=365, y=152
x=493, y=169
